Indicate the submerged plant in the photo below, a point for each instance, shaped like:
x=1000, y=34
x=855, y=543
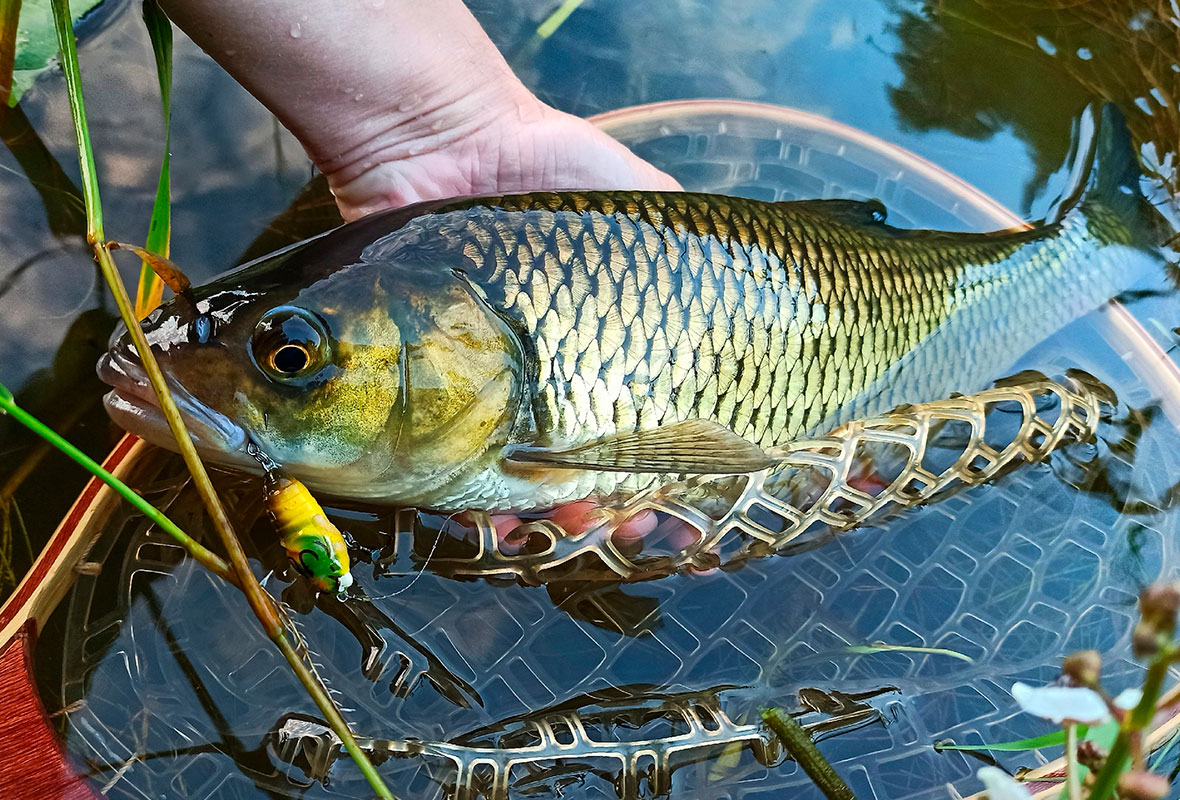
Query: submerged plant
x=1106, y=751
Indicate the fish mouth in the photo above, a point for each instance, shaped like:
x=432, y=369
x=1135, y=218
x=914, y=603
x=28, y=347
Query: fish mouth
x=132, y=404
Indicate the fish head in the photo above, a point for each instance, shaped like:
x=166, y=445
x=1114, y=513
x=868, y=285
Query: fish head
x=370, y=380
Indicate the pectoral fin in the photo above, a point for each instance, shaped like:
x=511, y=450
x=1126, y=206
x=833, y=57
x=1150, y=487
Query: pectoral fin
x=695, y=446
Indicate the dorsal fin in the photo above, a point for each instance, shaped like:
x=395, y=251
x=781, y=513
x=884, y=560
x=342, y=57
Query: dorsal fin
x=850, y=212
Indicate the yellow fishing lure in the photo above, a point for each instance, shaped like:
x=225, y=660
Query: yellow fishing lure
x=313, y=543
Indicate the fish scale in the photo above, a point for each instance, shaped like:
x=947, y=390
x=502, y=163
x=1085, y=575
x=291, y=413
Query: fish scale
x=873, y=296
x=770, y=335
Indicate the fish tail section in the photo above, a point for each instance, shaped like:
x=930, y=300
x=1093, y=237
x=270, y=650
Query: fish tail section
x=1107, y=189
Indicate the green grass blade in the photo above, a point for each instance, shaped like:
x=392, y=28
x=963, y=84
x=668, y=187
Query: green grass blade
x=159, y=235
x=1054, y=739
x=36, y=42
x=554, y=21
x=209, y=559
x=9, y=19
x=261, y=603
x=64, y=28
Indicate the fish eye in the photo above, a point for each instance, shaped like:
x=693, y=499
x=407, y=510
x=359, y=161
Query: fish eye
x=289, y=343
x=290, y=358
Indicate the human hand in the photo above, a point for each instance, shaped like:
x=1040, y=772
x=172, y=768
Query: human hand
x=398, y=101
x=524, y=148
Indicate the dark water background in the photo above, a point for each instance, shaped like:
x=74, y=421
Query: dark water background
x=987, y=90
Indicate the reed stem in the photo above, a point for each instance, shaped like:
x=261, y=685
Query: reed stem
x=260, y=602
x=1072, y=778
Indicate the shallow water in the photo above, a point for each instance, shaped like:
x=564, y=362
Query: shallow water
x=1013, y=575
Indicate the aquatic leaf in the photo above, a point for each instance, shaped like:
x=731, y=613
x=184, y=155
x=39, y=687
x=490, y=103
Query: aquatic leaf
x=1060, y=703
x=1002, y=786
x=36, y=41
x=159, y=235
x=1054, y=739
x=1103, y=736
x=882, y=647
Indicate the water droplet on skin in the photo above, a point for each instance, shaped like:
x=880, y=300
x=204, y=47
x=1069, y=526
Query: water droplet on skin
x=358, y=97
x=1084, y=53
x=1046, y=45
x=409, y=102
x=296, y=31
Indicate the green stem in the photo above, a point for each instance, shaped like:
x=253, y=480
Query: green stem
x=9, y=19
x=202, y=554
x=331, y=714
x=800, y=747
x=1134, y=723
x=1072, y=776
x=551, y=23
x=69, y=65
x=260, y=602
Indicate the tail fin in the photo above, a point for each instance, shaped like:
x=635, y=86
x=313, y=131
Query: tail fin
x=1105, y=183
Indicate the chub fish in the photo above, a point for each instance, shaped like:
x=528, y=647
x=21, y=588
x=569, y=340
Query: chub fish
x=517, y=352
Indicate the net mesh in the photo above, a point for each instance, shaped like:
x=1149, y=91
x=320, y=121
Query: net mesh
x=855, y=474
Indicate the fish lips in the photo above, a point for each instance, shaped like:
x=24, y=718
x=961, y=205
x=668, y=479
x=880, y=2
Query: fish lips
x=133, y=405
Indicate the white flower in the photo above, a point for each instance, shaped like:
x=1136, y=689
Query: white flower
x=1128, y=698
x=1061, y=703
x=1000, y=785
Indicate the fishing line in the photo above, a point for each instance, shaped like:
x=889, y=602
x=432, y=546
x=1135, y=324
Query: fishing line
x=425, y=564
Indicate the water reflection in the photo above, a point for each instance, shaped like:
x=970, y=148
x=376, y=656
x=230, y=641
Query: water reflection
x=1046, y=62
x=1011, y=575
